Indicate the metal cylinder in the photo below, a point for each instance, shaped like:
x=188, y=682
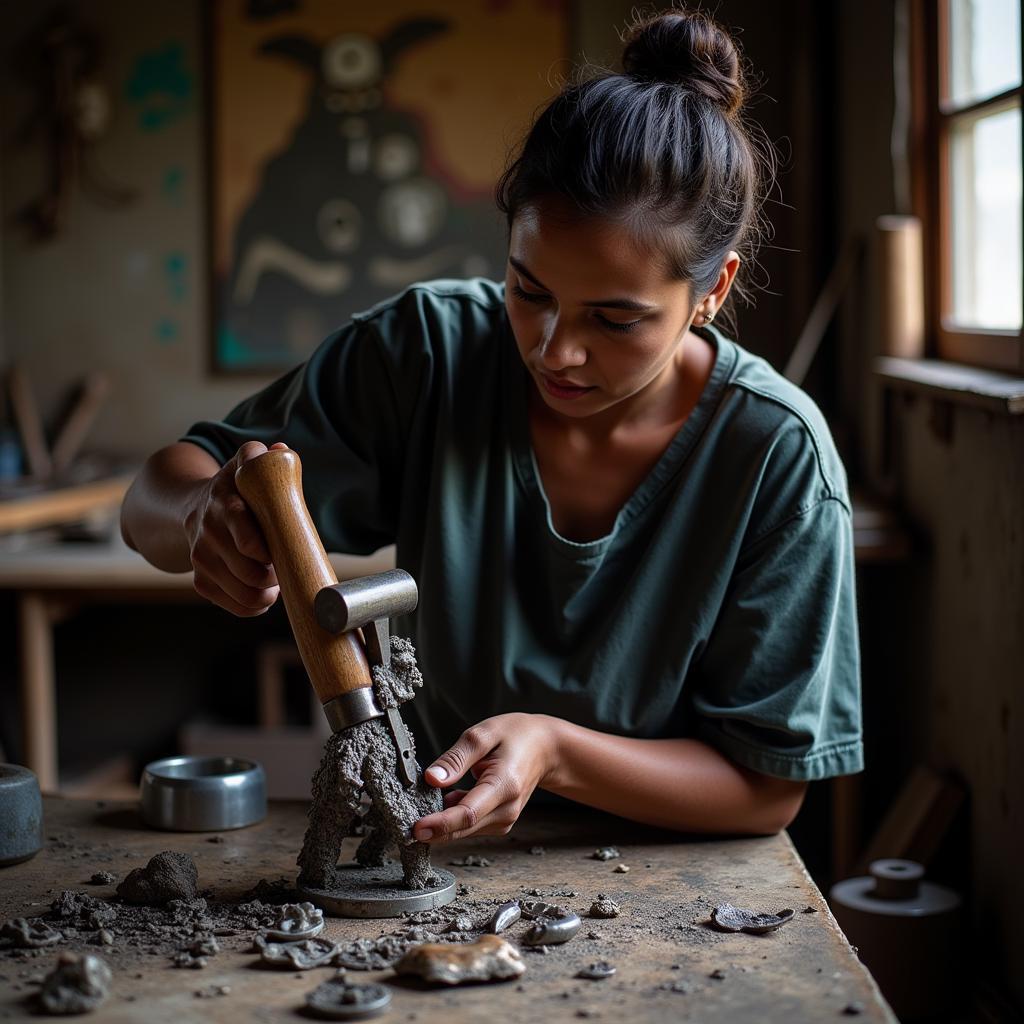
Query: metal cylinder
x=353, y=603
x=21, y=811
x=907, y=933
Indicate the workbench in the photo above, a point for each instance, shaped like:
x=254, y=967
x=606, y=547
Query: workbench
x=671, y=965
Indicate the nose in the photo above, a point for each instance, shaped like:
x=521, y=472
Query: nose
x=558, y=349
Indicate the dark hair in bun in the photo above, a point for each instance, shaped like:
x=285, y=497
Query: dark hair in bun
x=664, y=146
x=688, y=50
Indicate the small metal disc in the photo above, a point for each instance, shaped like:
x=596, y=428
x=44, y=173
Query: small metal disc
x=337, y=999
x=379, y=892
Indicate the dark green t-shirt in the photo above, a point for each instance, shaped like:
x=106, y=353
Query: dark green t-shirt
x=720, y=606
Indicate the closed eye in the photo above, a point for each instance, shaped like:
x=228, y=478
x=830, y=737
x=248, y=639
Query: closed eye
x=528, y=296
x=614, y=326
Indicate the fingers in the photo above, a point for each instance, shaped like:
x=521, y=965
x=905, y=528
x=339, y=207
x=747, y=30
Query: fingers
x=491, y=807
x=208, y=588
x=473, y=745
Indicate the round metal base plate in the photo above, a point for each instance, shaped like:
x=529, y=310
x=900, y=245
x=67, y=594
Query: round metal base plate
x=379, y=892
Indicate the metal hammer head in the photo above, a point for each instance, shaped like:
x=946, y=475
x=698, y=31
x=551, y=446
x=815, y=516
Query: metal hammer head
x=354, y=603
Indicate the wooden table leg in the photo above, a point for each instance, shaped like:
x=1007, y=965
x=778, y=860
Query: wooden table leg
x=846, y=831
x=38, y=690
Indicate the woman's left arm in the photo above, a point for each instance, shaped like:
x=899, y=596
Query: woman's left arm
x=681, y=784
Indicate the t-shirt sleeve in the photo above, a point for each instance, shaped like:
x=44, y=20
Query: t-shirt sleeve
x=777, y=686
x=346, y=414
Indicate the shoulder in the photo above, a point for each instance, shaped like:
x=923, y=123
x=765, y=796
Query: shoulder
x=442, y=305
x=783, y=435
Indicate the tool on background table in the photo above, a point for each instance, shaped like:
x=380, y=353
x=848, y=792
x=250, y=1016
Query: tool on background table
x=371, y=751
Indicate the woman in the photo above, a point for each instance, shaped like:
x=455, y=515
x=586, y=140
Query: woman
x=632, y=538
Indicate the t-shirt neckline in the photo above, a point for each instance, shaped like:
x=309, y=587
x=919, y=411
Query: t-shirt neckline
x=672, y=458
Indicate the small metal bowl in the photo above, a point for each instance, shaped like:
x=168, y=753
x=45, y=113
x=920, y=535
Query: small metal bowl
x=203, y=794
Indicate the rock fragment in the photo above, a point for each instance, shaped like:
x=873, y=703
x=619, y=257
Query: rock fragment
x=490, y=958
x=605, y=853
x=103, y=878
x=78, y=984
x=471, y=860
x=603, y=906
x=168, y=876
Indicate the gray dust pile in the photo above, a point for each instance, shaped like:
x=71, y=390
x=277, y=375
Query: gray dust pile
x=360, y=759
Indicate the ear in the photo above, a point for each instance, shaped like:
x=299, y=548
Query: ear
x=301, y=49
x=717, y=296
x=407, y=34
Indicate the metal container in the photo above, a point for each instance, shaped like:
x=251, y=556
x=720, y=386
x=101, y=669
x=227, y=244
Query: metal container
x=21, y=814
x=203, y=794
x=908, y=934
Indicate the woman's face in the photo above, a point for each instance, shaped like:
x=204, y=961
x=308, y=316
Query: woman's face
x=596, y=318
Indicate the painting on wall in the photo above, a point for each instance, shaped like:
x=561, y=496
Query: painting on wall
x=354, y=150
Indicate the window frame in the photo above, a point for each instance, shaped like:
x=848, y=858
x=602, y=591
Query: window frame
x=931, y=122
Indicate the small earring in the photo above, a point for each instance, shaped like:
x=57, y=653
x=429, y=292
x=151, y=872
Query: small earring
x=708, y=317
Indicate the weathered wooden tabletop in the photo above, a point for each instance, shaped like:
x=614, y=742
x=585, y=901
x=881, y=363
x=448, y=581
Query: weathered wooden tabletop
x=664, y=952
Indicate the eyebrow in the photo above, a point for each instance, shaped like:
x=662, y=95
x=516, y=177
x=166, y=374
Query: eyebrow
x=629, y=304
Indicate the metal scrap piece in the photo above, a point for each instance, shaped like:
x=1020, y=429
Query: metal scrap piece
x=490, y=958
x=29, y=933
x=728, y=918
x=596, y=971
x=296, y=921
x=551, y=924
x=299, y=956
x=504, y=917
x=337, y=999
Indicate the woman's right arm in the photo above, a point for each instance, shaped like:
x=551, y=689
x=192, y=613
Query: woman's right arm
x=183, y=512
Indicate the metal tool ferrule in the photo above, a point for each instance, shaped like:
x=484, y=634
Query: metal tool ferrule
x=351, y=708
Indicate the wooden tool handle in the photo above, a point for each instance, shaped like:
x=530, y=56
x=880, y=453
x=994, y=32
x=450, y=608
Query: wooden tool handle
x=271, y=485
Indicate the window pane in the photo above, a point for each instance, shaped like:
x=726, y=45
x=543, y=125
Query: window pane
x=985, y=185
x=984, y=48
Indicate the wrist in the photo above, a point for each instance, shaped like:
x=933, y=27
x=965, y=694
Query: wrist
x=553, y=777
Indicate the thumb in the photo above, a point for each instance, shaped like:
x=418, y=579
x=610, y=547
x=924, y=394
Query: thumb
x=470, y=747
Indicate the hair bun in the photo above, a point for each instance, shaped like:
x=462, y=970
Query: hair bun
x=686, y=48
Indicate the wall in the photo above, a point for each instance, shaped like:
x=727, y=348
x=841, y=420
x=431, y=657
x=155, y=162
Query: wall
x=125, y=289
x=951, y=673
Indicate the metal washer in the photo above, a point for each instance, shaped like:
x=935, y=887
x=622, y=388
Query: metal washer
x=379, y=892
x=324, y=1001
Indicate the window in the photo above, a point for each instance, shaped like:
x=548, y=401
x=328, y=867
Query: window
x=968, y=174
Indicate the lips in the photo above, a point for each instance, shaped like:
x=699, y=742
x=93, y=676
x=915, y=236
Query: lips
x=563, y=388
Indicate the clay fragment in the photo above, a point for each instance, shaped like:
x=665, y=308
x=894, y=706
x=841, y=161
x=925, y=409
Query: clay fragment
x=212, y=991
x=504, y=917
x=168, y=876
x=299, y=956
x=29, y=933
x=537, y=851
x=372, y=954
x=78, y=984
x=337, y=999
x=718, y=974
x=102, y=938
x=604, y=907
x=728, y=918
x=596, y=971
x=605, y=853
x=490, y=958
x=103, y=878
x=297, y=921
x=471, y=860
